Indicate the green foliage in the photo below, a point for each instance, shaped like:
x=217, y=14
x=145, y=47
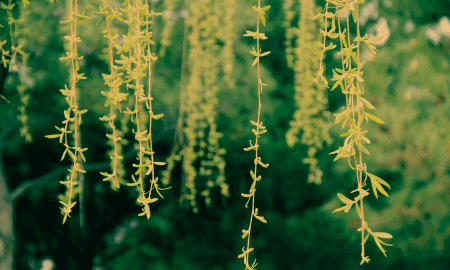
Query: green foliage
x=407, y=83
x=16, y=59
x=260, y=129
x=114, y=98
x=170, y=15
x=72, y=124
x=207, y=61
x=134, y=65
x=310, y=116
x=351, y=81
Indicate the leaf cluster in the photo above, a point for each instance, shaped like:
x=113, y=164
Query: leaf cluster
x=350, y=80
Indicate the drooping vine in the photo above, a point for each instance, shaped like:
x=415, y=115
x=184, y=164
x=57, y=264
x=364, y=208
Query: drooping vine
x=310, y=116
x=350, y=80
x=16, y=59
x=208, y=25
x=71, y=124
x=114, y=98
x=260, y=129
x=136, y=43
x=289, y=15
x=170, y=17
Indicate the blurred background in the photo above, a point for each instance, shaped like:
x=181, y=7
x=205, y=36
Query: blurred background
x=407, y=81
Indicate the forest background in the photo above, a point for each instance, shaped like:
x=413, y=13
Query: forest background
x=407, y=80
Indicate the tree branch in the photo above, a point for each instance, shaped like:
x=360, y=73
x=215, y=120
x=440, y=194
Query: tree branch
x=20, y=190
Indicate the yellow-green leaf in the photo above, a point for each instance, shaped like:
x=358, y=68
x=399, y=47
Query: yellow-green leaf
x=358, y=210
x=255, y=61
x=261, y=219
x=344, y=199
x=374, y=118
x=52, y=136
x=382, y=235
x=379, y=180
x=263, y=19
x=367, y=103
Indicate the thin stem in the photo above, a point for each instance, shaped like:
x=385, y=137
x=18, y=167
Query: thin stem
x=138, y=136
x=359, y=116
x=342, y=55
x=149, y=55
x=246, y=260
x=324, y=39
x=11, y=34
x=111, y=106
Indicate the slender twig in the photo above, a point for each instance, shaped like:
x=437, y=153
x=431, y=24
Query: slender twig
x=46, y=178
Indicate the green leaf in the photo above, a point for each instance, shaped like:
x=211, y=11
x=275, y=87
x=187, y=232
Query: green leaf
x=249, y=34
x=362, y=148
x=344, y=199
x=158, y=116
x=262, y=164
x=53, y=136
x=365, y=238
x=345, y=208
x=350, y=164
x=360, y=87
x=333, y=35
x=367, y=103
x=373, y=117
x=379, y=180
x=265, y=8
x=138, y=171
x=261, y=219
x=376, y=185
x=375, y=39
x=336, y=84
x=252, y=188
x=255, y=61
x=365, y=259
x=354, y=15
x=377, y=241
x=262, y=36
x=245, y=252
x=382, y=235
x=263, y=19
x=320, y=52
x=358, y=210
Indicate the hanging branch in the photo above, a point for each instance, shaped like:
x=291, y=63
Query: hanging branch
x=10, y=57
x=206, y=62
x=135, y=64
x=72, y=124
x=114, y=98
x=350, y=81
x=260, y=129
x=310, y=116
